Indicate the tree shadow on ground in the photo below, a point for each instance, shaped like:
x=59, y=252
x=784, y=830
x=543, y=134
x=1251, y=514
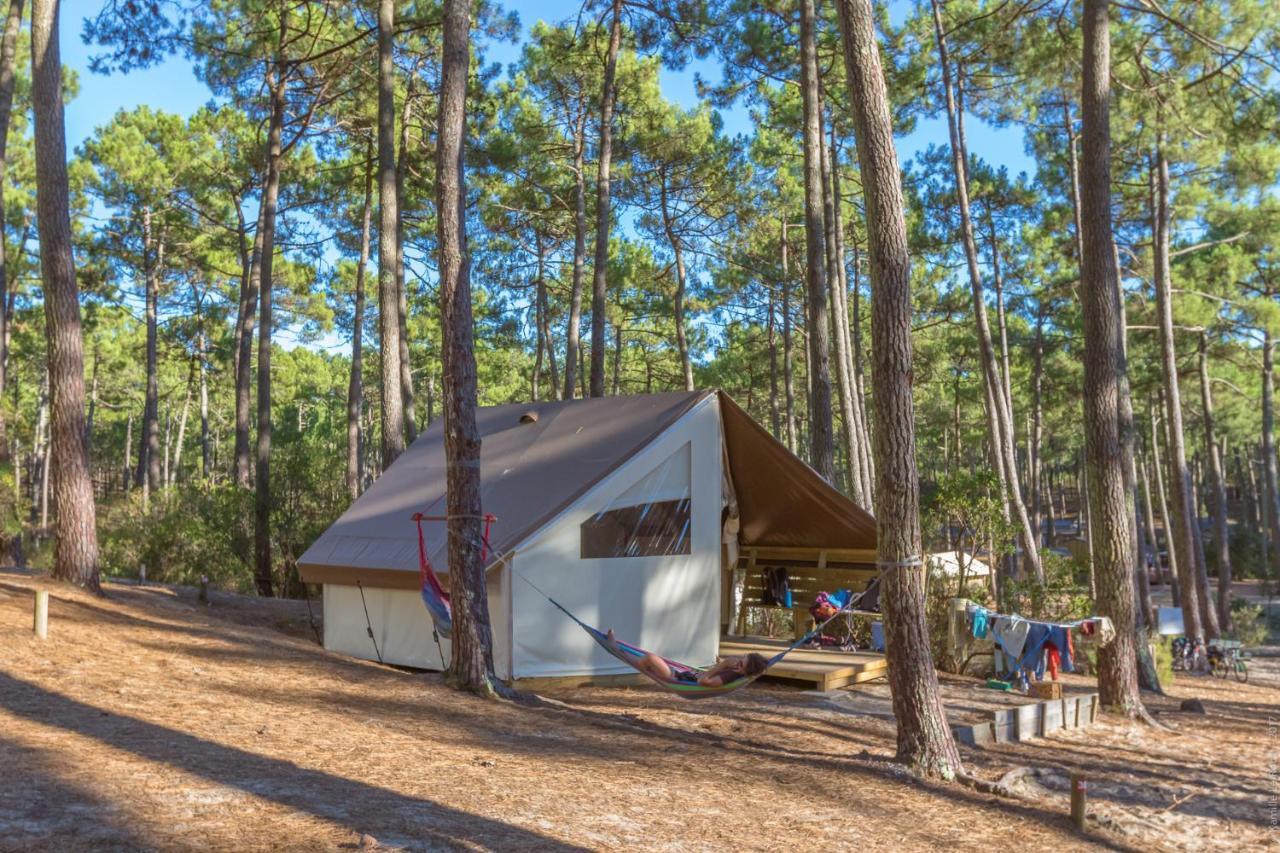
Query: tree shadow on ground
x=48, y=812
x=362, y=807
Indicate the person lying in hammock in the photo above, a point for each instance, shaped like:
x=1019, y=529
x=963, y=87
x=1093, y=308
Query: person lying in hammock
x=724, y=671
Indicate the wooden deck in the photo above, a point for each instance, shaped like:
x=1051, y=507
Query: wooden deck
x=825, y=669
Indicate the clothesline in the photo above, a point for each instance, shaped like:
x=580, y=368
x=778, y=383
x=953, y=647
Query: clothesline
x=1033, y=644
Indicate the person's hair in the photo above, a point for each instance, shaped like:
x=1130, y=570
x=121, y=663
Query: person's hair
x=755, y=664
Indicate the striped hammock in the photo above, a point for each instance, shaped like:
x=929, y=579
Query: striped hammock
x=632, y=655
x=434, y=595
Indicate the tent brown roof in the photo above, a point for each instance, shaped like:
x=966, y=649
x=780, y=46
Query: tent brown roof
x=538, y=458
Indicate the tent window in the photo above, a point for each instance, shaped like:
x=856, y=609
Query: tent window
x=650, y=519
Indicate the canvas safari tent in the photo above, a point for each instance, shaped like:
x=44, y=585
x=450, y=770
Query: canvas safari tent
x=633, y=512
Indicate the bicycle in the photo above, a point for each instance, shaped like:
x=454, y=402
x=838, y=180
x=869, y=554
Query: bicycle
x=1227, y=658
x=1190, y=656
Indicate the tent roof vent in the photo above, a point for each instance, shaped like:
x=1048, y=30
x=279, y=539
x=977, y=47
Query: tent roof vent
x=529, y=417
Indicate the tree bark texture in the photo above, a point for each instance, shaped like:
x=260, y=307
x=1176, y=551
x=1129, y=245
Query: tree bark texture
x=244, y=350
x=924, y=739
x=471, y=656
x=149, y=451
x=1110, y=531
x=8, y=66
x=76, y=552
x=1271, y=496
x=677, y=249
x=840, y=319
x=600, y=281
x=1218, y=490
x=573, y=335
x=355, y=384
x=407, y=403
x=1179, y=482
x=263, y=576
x=388, y=204
x=821, y=438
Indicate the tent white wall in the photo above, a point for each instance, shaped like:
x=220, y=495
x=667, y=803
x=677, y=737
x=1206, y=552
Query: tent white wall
x=401, y=626
x=950, y=563
x=668, y=603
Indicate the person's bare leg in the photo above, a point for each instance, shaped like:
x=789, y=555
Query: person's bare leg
x=651, y=665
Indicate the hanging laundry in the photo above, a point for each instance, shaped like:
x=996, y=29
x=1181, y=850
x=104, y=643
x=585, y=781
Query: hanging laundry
x=1060, y=640
x=1011, y=633
x=980, y=622
x=1053, y=660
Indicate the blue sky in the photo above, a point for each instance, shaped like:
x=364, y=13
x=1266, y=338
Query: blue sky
x=172, y=86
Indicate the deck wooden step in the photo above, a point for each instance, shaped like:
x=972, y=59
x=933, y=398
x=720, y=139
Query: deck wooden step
x=826, y=669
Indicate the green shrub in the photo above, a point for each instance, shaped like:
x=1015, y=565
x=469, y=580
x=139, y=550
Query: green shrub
x=1248, y=623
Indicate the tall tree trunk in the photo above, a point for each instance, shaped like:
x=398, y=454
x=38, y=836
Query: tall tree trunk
x=171, y=475
x=1150, y=520
x=355, y=384
x=127, y=473
x=388, y=204
x=860, y=391
x=617, y=359
x=250, y=270
x=1002, y=328
x=8, y=65
x=263, y=576
x=544, y=319
x=682, y=344
x=1037, y=434
x=1179, y=485
x=1103, y=373
x=93, y=405
x=1271, y=497
x=840, y=319
x=206, y=445
x=1148, y=678
x=75, y=557
x=1173, y=576
x=402, y=293
x=821, y=439
x=471, y=663
x=149, y=452
x=573, y=335
x=599, y=284
x=1218, y=490
x=788, y=358
x=859, y=448
x=999, y=419
x=775, y=412
x=924, y=738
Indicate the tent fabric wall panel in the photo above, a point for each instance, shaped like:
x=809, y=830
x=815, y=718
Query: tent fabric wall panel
x=669, y=602
x=401, y=625
x=781, y=500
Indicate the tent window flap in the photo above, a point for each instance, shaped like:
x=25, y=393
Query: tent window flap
x=649, y=519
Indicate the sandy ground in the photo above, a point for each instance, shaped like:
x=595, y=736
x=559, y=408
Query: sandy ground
x=146, y=721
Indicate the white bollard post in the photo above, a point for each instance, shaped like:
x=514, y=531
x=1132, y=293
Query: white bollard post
x=41, y=626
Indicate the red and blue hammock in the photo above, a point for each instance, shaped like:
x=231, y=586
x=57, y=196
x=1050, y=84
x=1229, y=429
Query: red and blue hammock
x=434, y=595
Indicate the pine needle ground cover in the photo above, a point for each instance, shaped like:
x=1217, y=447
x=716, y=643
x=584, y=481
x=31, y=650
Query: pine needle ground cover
x=147, y=721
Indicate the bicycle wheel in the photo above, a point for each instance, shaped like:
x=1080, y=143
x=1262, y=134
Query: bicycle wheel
x=1242, y=671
